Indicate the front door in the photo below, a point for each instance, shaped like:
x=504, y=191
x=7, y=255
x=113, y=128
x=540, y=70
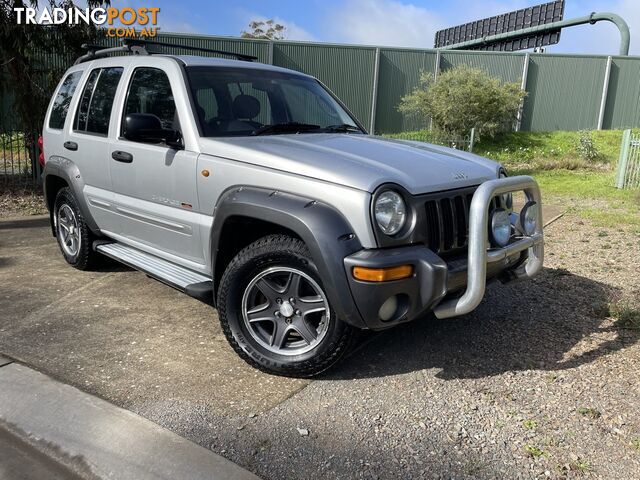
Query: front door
x=155, y=185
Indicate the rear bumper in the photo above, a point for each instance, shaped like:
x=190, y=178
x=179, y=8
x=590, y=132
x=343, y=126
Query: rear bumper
x=448, y=289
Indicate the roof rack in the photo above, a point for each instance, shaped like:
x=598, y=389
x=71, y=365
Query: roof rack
x=139, y=47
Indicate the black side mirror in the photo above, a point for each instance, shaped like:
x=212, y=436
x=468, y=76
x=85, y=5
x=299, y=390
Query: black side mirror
x=146, y=127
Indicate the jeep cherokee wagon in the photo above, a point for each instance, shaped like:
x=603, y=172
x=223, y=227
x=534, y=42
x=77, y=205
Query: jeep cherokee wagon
x=253, y=188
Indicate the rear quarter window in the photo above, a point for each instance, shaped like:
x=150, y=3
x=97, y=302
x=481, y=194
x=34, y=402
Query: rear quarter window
x=94, y=110
x=63, y=100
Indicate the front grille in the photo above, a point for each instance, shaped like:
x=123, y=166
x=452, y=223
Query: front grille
x=447, y=220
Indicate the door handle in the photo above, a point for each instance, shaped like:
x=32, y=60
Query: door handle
x=120, y=156
x=71, y=146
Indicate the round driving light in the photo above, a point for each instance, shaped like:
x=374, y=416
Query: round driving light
x=500, y=227
x=506, y=198
x=390, y=212
x=529, y=216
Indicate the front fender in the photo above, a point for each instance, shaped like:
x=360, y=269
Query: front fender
x=325, y=231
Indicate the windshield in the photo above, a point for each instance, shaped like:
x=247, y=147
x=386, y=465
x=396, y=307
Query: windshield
x=245, y=101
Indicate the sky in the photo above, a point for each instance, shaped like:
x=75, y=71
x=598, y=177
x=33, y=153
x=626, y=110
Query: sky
x=405, y=23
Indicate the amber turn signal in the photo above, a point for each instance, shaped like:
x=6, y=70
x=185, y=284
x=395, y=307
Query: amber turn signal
x=382, y=274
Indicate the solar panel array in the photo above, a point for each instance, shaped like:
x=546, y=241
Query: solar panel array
x=508, y=22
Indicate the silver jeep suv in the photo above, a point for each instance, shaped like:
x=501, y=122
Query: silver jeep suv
x=253, y=188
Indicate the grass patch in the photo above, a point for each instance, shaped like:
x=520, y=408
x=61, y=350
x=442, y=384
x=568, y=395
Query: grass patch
x=539, y=150
x=535, y=452
x=550, y=147
x=627, y=316
x=635, y=444
x=581, y=466
x=530, y=424
x=590, y=412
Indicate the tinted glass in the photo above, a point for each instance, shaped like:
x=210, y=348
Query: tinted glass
x=150, y=92
x=96, y=104
x=63, y=99
x=85, y=101
x=245, y=100
x=306, y=106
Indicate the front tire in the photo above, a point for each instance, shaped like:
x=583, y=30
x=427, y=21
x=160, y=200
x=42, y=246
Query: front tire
x=74, y=236
x=275, y=313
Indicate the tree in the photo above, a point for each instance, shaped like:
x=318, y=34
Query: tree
x=267, y=30
x=22, y=48
x=464, y=98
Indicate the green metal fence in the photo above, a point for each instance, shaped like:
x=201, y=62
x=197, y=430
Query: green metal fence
x=565, y=92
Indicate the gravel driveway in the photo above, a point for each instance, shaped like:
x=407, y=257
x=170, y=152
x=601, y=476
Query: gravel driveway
x=539, y=382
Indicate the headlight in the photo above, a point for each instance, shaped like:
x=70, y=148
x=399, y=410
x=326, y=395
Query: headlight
x=390, y=212
x=507, y=198
x=500, y=227
x=529, y=217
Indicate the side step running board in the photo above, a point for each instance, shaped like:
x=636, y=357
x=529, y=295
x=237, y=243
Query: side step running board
x=192, y=283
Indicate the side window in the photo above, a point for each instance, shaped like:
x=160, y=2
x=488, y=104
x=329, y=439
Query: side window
x=94, y=110
x=150, y=92
x=63, y=99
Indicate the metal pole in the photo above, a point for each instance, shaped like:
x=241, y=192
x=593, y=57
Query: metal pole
x=523, y=86
x=270, y=53
x=605, y=89
x=624, y=156
x=436, y=71
x=593, y=18
x=374, y=96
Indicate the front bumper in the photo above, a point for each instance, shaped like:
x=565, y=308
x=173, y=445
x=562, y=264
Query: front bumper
x=455, y=288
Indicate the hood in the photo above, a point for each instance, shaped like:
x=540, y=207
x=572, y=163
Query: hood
x=358, y=161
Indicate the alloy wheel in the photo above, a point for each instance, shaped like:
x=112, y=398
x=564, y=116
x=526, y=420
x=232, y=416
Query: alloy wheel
x=285, y=311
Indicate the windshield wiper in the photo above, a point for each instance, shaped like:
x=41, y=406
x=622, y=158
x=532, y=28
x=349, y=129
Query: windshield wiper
x=342, y=127
x=288, y=127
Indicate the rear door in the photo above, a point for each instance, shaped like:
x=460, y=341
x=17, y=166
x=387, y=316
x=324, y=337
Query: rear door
x=87, y=143
x=155, y=185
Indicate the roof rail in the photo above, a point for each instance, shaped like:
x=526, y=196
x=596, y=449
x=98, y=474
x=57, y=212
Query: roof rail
x=139, y=47
x=138, y=42
x=98, y=51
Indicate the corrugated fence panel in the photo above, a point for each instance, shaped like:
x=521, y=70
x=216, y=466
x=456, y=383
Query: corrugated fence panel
x=399, y=74
x=505, y=66
x=346, y=70
x=623, y=96
x=564, y=92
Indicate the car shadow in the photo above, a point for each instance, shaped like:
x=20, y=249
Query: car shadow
x=554, y=322
x=108, y=265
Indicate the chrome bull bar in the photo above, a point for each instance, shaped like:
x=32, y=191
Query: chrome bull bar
x=479, y=253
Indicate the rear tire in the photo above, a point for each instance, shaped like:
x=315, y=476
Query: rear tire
x=74, y=237
x=275, y=313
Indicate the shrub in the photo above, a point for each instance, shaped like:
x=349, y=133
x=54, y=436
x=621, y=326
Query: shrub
x=464, y=98
x=585, y=147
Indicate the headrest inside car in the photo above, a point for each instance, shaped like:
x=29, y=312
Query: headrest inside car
x=246, y=106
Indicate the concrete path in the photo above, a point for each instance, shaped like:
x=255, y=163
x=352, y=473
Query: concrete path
x=21, y=461
x=63, y=433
